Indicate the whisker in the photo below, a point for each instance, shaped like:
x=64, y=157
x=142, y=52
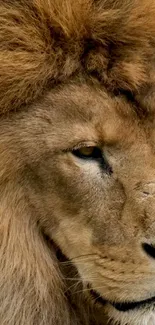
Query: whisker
x=82, y=280
x=84, y=255
x=90, y=289
x=81, y=262
x=94, y=288
x=72, y=286
x=80, y=257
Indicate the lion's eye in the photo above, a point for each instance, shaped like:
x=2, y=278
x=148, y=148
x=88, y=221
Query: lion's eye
x=88, y=153
x=93, y=153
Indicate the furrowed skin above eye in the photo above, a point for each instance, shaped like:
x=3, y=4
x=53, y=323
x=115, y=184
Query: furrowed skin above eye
x=94, y=154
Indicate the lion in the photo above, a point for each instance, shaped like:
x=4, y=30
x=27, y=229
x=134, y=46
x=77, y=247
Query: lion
x=77, y=162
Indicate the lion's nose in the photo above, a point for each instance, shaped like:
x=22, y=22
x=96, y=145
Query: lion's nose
x=149, y=250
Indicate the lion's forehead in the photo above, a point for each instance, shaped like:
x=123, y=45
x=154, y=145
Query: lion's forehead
x=92, y=114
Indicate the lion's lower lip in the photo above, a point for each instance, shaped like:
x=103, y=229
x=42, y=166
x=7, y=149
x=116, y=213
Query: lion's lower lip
x=123, y=306
x=127, y=306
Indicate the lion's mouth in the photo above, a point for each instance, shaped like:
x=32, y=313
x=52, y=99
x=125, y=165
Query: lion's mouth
x=122, y=306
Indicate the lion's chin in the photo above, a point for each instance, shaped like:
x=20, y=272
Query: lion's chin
x=125, y=306
x=128, y=313
x=143, y=316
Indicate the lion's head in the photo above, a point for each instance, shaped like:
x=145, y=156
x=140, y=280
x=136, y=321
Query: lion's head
x=77, y=162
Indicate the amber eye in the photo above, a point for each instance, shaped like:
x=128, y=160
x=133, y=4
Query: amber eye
x=93, y=153
x=88, y=153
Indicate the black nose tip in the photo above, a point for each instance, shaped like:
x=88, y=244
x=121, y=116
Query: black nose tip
x=149, y=250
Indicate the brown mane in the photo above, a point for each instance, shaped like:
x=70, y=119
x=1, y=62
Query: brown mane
x=45, y=42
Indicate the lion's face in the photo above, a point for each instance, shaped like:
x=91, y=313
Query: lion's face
x=78, y=166
x=90, y=165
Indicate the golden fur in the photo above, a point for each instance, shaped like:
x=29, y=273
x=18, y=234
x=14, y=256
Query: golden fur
x=45, y=42
x=74, y=74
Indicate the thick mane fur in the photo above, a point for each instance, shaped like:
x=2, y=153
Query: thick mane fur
x=43, y=42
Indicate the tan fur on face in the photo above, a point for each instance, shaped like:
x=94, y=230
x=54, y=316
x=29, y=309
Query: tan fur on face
x=76, y=73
